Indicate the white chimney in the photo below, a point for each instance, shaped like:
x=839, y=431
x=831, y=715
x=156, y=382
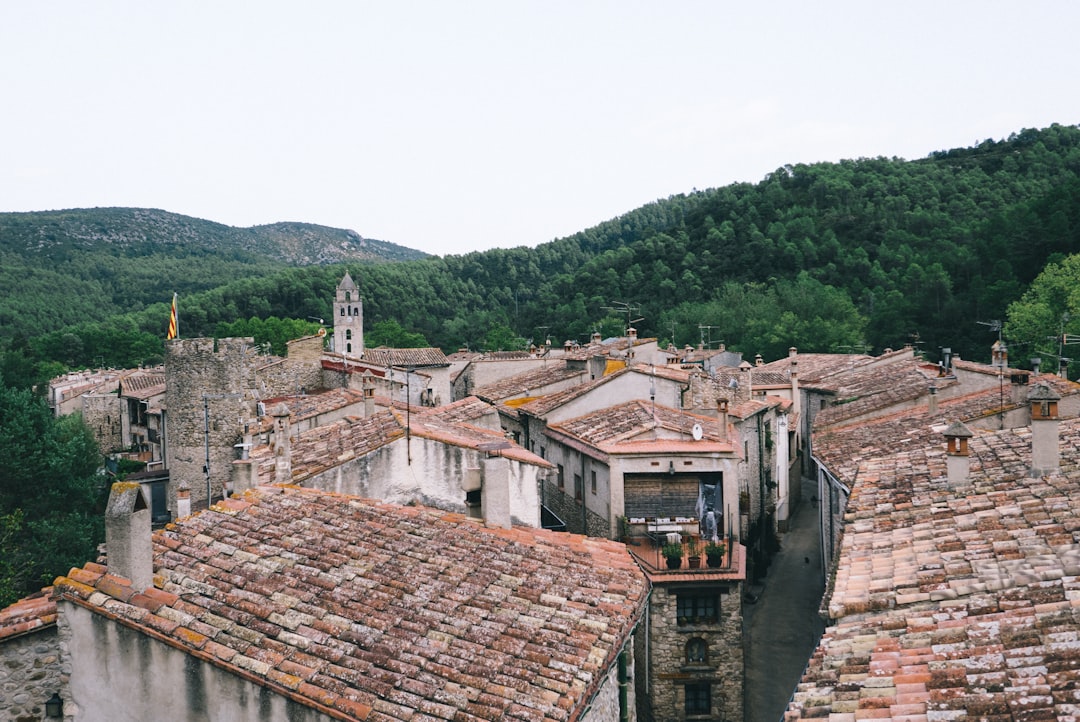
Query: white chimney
x=495, y=493
x=1045, y=456
x=129, y=550
x=957, y=457
x=933, y=399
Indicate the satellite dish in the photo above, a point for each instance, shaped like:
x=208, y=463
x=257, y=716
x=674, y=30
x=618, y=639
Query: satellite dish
x=697, y=432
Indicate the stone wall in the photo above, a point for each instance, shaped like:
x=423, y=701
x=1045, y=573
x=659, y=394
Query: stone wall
x=563, y=504
x=661, y=683
x=29, y=674
x=101, y=412
x=208, y=394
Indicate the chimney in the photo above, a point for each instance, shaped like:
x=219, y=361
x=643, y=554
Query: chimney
x=758, y=361
x=796, y=403
x=282, y=445
x=1019, y=381
x=933, y=399
x=369, y=395
x=183, y=500
x=957, y=455
x=1036, y=362
x=495, y=470
x=722, y=412
x=1044, y=430
x=999, y=353
x=1063, y=367
x=128, y=547
x=567, y=345
x=596, y=337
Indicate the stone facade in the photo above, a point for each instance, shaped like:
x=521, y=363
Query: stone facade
x=29, y=675
x=102, y=413
x=683, y=656
x=578, y=519
x=206, y=394
x=616, y=694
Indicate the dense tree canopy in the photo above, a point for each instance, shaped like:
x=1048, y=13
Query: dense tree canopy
x=872, y=253
x=51, y=496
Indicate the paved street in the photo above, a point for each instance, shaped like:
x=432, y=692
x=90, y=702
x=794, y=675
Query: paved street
x=781, y=629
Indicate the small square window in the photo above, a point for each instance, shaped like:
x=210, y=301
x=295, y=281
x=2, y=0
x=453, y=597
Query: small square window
x=698, y=698
x=697, y=608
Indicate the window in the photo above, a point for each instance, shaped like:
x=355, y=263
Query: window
x=543, y=452
x=698, y=698
x=562, y=476
x=697, y=651
x=342, y=310
x=348, y=334
x=348, y=348
x=697, y=608
x=577, y=486
x=593, y=481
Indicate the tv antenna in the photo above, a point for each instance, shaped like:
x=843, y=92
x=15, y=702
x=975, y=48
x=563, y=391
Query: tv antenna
x=702, y=328
x=994, y=325
x=627, y=308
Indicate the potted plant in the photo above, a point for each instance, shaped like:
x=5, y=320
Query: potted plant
x=693, y=555
x=714, y=554
x=673, y=553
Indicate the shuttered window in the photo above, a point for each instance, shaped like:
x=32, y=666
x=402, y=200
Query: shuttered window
x=660, y=496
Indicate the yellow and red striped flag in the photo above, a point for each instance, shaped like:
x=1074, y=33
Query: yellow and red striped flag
x=173, y=324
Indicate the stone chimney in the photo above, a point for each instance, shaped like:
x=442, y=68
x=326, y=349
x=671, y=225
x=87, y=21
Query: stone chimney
x=495, y=493
x=282, y=445
x=758, y=361
x=1063, y=367
x=722, y=412
x=128, y=547
x=1036, y=362
x=1018, y=381
x=369, y=395
x=933, y=399
x=596, y=337
x=567, y=346
x=957, y=455
x=1045, y=456
x=796, y=404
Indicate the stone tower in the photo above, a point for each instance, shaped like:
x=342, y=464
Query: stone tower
x=207, y=395
x=348, y=318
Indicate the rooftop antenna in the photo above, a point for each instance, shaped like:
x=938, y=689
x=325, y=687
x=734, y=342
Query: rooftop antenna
x=624, y=307
x=702, y=328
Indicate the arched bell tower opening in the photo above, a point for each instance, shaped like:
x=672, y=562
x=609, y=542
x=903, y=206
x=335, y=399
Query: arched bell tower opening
x=348, y=318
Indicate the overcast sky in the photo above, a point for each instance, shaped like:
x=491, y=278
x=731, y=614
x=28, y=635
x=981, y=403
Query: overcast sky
x=452, y=127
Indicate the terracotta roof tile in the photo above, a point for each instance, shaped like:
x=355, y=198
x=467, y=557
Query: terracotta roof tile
x=416, y=612
x=405, y=357
x=29, y=614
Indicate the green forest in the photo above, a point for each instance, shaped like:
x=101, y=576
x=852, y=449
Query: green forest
x=861, y=255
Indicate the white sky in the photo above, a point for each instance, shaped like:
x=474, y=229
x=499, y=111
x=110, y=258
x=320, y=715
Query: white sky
x=451, y=127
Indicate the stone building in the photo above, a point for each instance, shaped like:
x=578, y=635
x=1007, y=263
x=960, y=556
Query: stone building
x=348, y=318
x=305, y=605
x=30, y=669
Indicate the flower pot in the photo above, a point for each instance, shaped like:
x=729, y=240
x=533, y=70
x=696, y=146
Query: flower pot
x=695, y=562
x=674, y=562
x=714, y=560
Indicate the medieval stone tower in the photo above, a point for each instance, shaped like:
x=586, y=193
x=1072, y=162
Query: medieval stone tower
x=348, y=318
x=207, y=395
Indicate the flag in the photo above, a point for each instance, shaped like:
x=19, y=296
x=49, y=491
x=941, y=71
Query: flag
x=173, y=324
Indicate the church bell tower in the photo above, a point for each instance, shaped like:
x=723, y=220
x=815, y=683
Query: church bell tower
x=348, y=319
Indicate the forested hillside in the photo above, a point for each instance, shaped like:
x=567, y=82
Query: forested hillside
x=62, y=267
x=857, y=254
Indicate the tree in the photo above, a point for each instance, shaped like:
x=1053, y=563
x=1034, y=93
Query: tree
x=52, y=499
x=390, y=333
x=1049, y=309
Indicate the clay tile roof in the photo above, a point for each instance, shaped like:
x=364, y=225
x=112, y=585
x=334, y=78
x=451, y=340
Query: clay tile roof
x=954, y=601
x=467, y=436
x=405, y=357
x=364, y=610
x=309, y=405
x=143, y=384
x=642, y=427
x=843, y=446
x=469, y=408
x=533, y=383
x=29, y=614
